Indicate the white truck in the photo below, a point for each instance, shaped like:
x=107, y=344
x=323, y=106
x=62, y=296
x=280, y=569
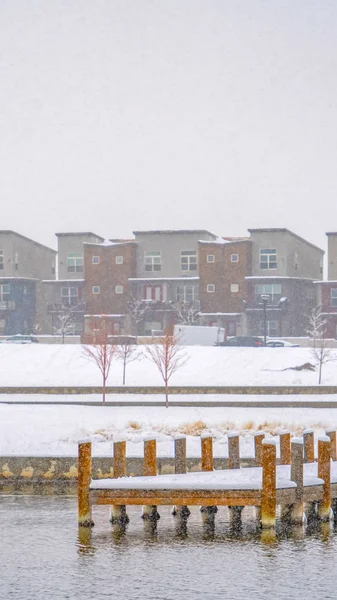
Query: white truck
x=195, y=335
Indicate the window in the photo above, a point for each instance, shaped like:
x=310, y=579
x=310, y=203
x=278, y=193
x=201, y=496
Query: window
x=234, y=288
x=273, y=290
x=231, y=328
x=271, y=328
x=187, y=293
x=119, y=289
x=234, y=258
x=119, y=260
x=333, y=292
x=5, y=291
x=153, y=292
x=95, y=260
x=1, y=260
x=152, y=261
x=210, y=288
x=210, y=258
x=69, y=296
x=268, y=259
x=75, y=262
x=188, y=260
x=96, y=289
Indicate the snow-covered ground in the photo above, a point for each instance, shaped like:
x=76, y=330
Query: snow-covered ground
x=55, y=430
x=44, y=364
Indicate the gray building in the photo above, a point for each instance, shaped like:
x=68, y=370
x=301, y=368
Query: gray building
x=284, y=268
x=167, y=273
x=61, y=302
x=23, y=264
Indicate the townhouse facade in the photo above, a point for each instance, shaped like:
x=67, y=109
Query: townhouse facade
x=145, y=284
x=23, y=264
x=326, y=291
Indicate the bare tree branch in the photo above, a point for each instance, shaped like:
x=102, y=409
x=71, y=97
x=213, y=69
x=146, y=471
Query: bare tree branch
x=101, y=352
x=127, y=352
x=317, y=332
x=168, y=356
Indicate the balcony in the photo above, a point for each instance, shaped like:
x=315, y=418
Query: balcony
x=7, y=305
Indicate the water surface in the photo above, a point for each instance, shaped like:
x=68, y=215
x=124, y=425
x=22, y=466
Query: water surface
x=43, y=557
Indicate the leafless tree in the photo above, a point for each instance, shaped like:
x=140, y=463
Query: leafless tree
x=137, y=310
x=64, y=322
x=127, y=352
x=101, y=352
x=168, y=356
x=317, y=331
x=187, y=312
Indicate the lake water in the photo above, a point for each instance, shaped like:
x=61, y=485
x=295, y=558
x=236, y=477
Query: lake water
x=42, y=557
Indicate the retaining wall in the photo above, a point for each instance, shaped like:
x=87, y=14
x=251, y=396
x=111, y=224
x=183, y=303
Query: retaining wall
x=239, y=390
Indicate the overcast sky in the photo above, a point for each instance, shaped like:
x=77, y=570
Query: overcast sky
x=118, y=115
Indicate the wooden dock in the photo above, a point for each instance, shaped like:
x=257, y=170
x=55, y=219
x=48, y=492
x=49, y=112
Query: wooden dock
x=296, y=481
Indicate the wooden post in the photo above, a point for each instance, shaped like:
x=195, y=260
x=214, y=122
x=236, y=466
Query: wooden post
x=84, y=480
x=331, y=433
x=208, y=512
x=180, y=467
x=258, y=439
x=207, y=453
x=268, y=494
x=309, y=446
x=150, y=468
x=180, y=464
x=285, y=448
x=324, y=472
x=118, y=513
x=297, y=457
x=233, y=451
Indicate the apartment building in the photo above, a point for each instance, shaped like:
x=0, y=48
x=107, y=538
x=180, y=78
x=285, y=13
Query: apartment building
x=224, y=264
x=108, y=269
x=167, y=274
x=61, y=301
x=326, y=291
x=284, y=268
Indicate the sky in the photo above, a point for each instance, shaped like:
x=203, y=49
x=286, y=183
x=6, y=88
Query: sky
x=120, y=115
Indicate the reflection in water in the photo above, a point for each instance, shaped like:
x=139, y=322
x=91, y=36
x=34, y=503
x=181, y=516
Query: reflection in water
x=46, y=556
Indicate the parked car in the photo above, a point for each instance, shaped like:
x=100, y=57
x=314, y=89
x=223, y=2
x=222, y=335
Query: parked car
x=21, y=339
x=243, y=340
x=281, y=344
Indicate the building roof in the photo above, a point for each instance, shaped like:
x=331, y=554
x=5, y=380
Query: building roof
x=11, y=232
x=173, y=231
x=79, y=233
x=285, y=230
x=110, y=243
x=331, y=233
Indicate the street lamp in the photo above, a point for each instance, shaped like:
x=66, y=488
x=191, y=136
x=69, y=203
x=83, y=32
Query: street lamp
x=264, y=299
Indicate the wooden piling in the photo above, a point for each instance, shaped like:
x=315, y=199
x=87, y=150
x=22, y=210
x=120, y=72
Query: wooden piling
x=150, y=512
x=285, y=448
x=207, y=453
x=268, y=494
x=258, y=439
x=324, y=472
x=207, y=512
x=84, y=480
x=180, y=463
x=309, y=446
x=118, y=512
x=297, y=458
x=180, y=466
x=233, y=451
x=331, y=433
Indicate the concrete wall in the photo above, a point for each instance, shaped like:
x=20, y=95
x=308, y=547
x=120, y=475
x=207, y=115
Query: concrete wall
x=25, y=258
x=295, y=256
x=332, y=256
x=170, y=244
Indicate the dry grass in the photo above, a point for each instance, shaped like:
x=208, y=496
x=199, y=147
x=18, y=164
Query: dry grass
x=134, y=425
x=196, y=428
x=249, y=426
